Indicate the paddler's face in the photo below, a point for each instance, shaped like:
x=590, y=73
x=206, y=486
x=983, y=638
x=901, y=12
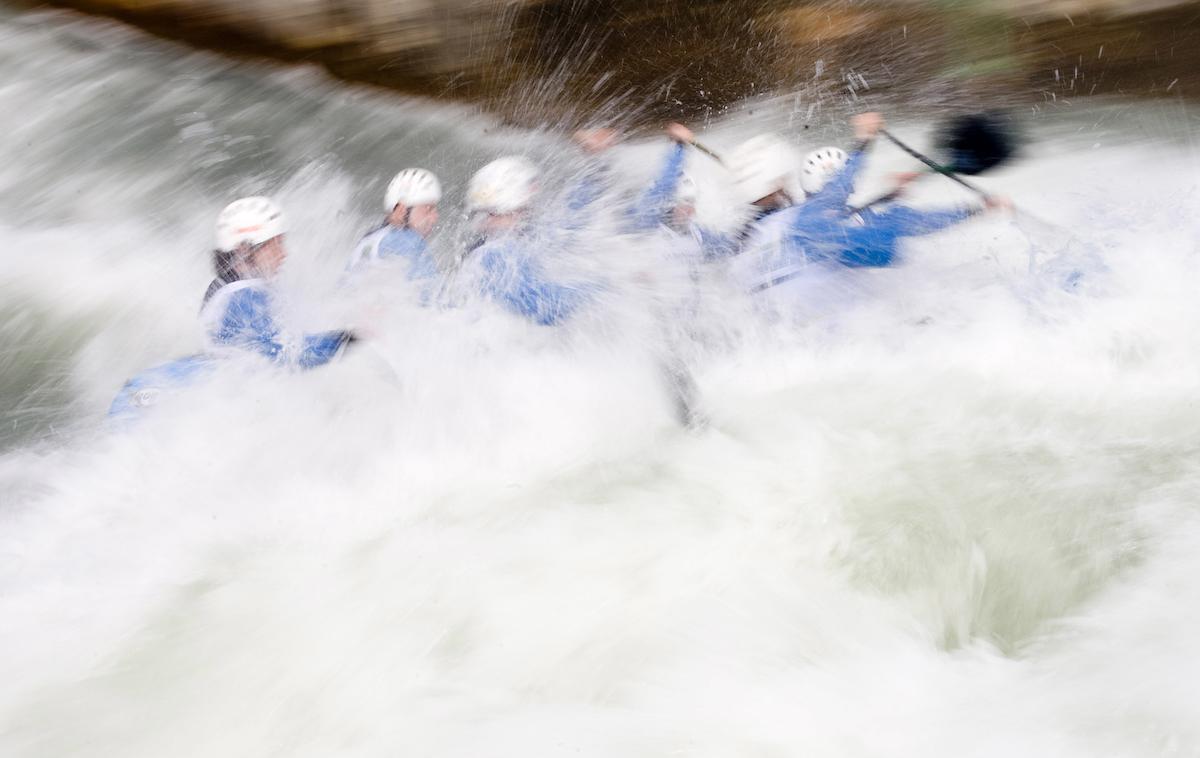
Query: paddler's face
x=500, y=222
x=268, y=257
x=422, y=219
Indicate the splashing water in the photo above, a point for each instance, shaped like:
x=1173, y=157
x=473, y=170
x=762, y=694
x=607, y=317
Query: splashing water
x=956, y=514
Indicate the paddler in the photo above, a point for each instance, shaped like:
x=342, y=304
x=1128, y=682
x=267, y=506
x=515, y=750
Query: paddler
x=505, y=257
x=238, y=309
x=669, y=205
x=824, y=228
x=411, y=204
x=786, y=194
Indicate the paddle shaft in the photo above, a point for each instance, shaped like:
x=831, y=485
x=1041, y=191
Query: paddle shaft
x=708, y=151
x=937, y=167
x=946, y=171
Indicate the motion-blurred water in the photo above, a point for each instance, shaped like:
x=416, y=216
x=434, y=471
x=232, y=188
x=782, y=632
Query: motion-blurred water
x=954, y=515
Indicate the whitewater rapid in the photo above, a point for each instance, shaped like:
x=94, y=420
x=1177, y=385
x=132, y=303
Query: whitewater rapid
x=956, y=517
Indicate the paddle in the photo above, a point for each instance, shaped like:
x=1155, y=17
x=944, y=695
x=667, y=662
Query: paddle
x=974, y=143
x=977, y=142
x=950, y=172
x=707, y=151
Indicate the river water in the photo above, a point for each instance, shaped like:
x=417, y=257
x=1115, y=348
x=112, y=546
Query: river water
x=957, y=513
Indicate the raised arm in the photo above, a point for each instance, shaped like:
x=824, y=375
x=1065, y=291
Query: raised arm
x=596, y=177
x=653, y=205
x=910, y=222
x=248, y=324
x=836, y=193
x=875, y=243
x=320, y=349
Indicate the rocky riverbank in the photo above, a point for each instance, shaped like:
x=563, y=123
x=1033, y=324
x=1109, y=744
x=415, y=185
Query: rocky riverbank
x=575, y=60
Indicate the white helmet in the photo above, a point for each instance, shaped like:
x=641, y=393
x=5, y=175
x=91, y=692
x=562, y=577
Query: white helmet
x=505, y=185
x=763, y=165
x=685, y=190
x=820, y=166
x=412, y=186
x=249, y=221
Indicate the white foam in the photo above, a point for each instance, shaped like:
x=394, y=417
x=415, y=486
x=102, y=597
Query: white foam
x=956, y=516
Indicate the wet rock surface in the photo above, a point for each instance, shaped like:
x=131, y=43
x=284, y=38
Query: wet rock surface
x=575, y=61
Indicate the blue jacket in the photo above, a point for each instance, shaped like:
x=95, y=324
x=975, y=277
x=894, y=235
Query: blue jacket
x=396, y=243
x=824, y=228
x=240, y=315
x=870, y=238
x=593, y=183
x=653, y=209
x=511, y=277
x=237, y=315
x=653, y=206
x=784, y=236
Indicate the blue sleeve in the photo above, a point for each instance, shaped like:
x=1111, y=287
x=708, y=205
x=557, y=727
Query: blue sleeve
x=320, y=349
x=875, y=243
x=910, y=222
x=247, y=324
x=518, y=287
x=590, y=187
x=577, y=212
x=652, y=207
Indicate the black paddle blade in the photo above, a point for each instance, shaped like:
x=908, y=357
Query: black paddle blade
x=975, y=143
